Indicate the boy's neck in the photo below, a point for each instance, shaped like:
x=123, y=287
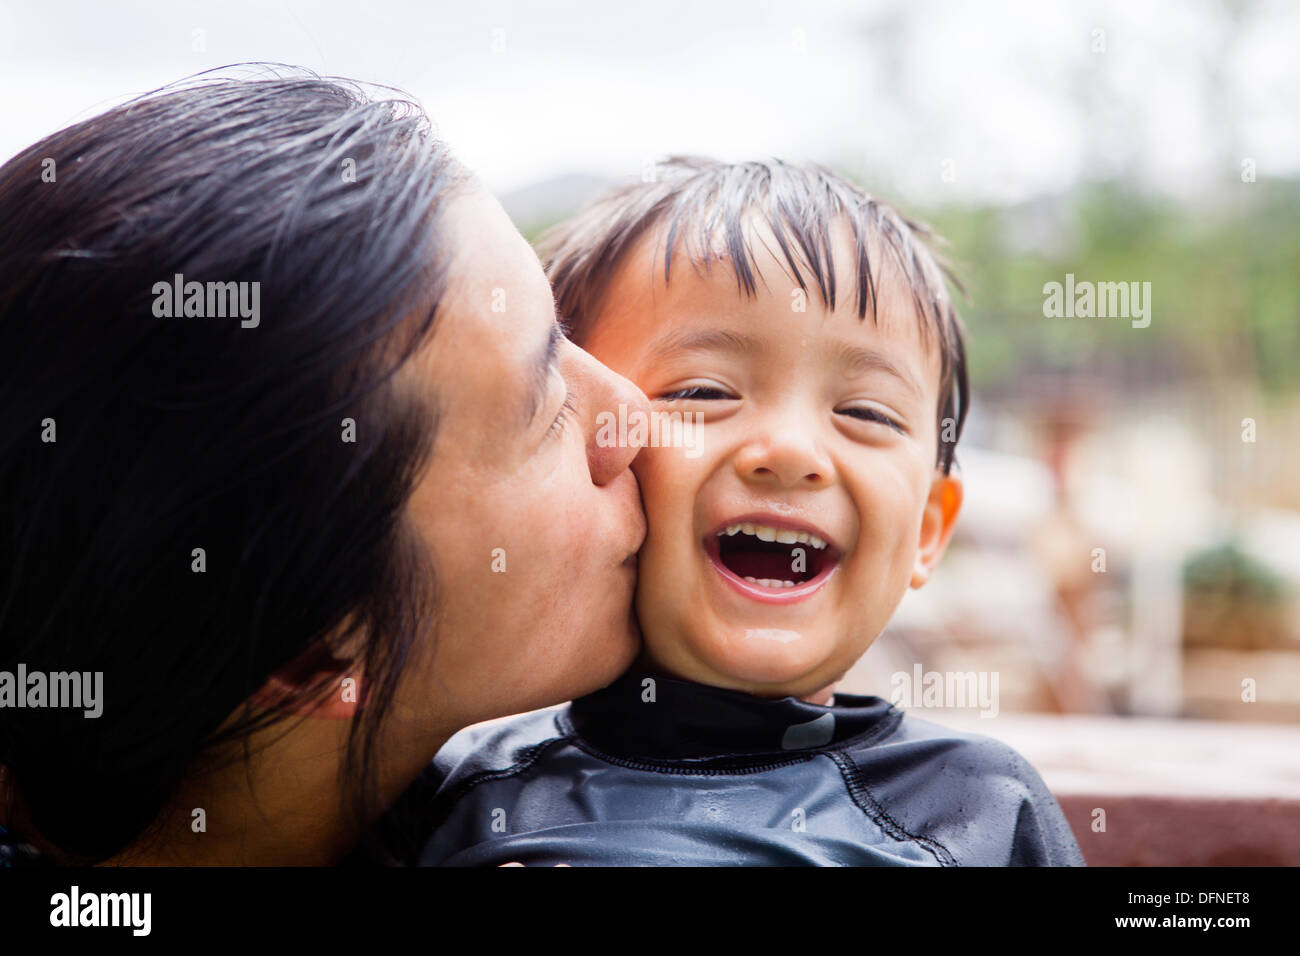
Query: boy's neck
x=822, y=697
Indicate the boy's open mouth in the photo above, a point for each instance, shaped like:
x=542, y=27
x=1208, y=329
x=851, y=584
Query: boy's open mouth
x=767, y=560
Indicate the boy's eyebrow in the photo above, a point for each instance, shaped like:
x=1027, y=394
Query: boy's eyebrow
x=854, y=359
x=705, y=340
x=541, y=371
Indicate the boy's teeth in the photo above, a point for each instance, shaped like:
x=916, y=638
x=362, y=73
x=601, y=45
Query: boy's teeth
x=768, y=533
x=769, y=582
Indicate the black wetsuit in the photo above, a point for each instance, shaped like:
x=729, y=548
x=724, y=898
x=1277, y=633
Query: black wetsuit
x=703, y=776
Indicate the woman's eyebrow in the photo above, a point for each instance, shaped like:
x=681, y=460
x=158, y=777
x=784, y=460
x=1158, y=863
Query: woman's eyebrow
x=541, y=372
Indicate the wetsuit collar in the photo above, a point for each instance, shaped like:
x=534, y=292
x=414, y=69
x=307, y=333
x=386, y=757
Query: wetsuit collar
x=656, y=717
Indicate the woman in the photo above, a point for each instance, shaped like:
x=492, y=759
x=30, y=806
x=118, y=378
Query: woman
x=295, y=457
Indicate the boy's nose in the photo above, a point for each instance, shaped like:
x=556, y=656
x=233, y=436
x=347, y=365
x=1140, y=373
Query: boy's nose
x=785, y=454
x=605, y=396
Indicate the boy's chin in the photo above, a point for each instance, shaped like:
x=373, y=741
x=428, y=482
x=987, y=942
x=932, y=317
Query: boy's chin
x=766, y=661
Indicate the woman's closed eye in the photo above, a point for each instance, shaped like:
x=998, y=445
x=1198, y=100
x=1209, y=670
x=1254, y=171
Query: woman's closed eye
x=566, y=412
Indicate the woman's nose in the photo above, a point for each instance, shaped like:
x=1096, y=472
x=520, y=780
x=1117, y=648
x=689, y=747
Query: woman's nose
x=610, y=407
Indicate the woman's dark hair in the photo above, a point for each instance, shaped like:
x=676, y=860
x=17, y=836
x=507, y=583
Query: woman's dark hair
x=132, y=435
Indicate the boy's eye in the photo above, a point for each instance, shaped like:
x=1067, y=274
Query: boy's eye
x=704, y=392
x=872, y=415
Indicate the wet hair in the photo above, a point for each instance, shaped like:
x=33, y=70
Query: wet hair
x=709, y=207
x=129, y=440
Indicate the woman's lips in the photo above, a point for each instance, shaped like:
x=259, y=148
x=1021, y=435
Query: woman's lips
x=763, y=593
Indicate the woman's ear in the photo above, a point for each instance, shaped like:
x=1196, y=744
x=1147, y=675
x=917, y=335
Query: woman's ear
x=937, y=523
x=282, y=695
x=288, y=688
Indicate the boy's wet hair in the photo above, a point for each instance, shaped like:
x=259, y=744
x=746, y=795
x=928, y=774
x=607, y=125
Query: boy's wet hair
x=701, y=200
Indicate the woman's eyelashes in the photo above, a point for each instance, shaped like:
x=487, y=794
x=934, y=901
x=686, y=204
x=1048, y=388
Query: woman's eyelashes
x=566, y=412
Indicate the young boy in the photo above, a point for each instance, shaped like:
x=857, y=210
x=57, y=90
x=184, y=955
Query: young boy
x=807, y=330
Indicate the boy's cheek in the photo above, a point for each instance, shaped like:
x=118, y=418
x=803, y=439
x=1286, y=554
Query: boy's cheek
x=653, y=461
x=643, y=467
x=668, y=482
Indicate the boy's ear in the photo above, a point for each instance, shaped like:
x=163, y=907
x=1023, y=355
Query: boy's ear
x=937, y=523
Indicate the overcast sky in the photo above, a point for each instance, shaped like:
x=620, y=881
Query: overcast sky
x=935, y=100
